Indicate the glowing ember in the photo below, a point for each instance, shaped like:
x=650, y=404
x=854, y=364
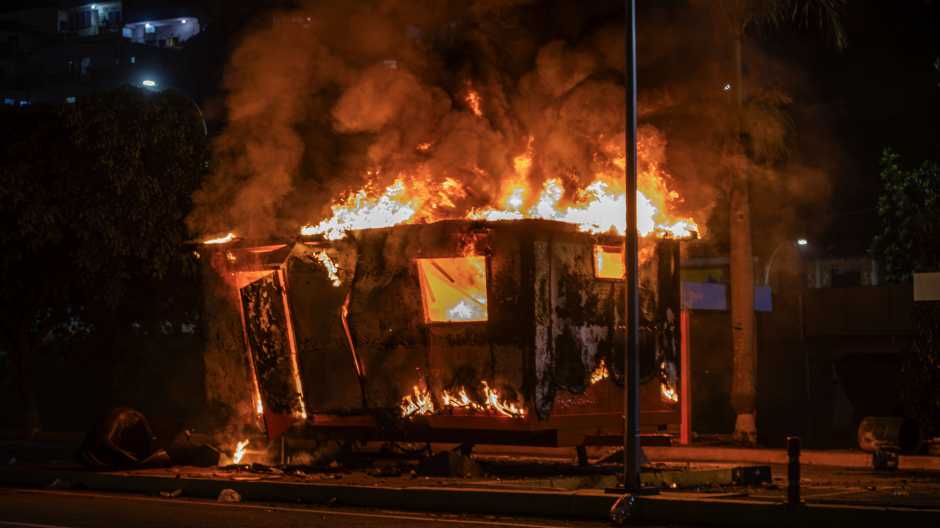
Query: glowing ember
x=422, y=404
x=669, y=394
x=600, y=373
x=330, y=268
x=425, y=146
x=473, y=99
x=453, y=289
x=239, y=452
x=227, y=238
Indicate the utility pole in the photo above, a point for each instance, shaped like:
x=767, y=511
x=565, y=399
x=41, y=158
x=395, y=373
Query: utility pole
x=631, y=365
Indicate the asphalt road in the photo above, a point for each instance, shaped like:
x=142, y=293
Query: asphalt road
x=31, y=508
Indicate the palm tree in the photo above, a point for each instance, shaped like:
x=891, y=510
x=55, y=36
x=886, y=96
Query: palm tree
x=758, y=133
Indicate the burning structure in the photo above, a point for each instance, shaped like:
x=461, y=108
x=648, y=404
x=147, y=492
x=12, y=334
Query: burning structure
x=466, y=282
x=469, y=331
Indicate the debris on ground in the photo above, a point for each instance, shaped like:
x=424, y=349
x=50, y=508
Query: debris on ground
x=229, y=495
x=58, y=484
x=449, y=464
x=171, y=494
x=621, y=510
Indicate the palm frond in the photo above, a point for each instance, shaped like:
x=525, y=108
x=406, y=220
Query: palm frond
x=768, y=126
x=772, y=13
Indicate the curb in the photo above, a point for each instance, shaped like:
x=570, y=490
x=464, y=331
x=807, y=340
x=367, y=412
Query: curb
x=575, y=504
x=848, y=460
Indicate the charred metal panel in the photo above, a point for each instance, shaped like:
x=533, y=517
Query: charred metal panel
x=228, y=381
x=577, y=324
x=328, y=367
x=386, y=317
x=544, y=392
x=509, y=329
x=459, y=358
x=266, y=319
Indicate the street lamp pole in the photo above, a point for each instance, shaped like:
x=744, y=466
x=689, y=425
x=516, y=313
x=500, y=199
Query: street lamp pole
x=631, y=366
x=151, y=84
x=800, y=242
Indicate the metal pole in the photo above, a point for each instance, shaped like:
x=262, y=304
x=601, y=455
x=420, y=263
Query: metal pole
x=631, y=451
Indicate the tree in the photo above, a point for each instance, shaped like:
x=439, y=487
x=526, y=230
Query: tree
x=93, y=194
x=757, y=133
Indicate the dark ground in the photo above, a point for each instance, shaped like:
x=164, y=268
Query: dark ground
x=78, y=509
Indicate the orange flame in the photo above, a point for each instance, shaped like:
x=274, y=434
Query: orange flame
x=227, y=238
x=453, y=289
x=597, y=205
x=239, y=452
x=330, y=268
x=473, y=99
x=600, y=373
x=493, y=402
x=422, y=404
x=669, y=394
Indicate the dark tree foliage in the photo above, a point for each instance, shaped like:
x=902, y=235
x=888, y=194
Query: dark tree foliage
x=910, y=216
x=93, y=197
x=911, y=198
x=920, y=364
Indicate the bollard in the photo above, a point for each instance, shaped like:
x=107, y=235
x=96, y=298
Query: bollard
x=793, y=471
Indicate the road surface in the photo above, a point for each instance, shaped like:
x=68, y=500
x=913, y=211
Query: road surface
x=32, y=508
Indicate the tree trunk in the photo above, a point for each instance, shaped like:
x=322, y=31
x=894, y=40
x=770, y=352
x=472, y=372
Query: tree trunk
x=743, y=391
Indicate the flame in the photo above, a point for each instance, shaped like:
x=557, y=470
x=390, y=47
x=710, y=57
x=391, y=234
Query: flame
x=609, y=261
x=669, y=394
x=473, y=99
x=461, y=400
x=227, y=238
x=596, y=205
x=239, y=452
x=493, y=402
x=330, y=268
x=425, y=146
x=259, y=407
x=600, y=373
x=422, y=404
x=453, y=289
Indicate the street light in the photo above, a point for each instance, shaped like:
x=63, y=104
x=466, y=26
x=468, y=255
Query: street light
x=149, y=83
x=800, y=242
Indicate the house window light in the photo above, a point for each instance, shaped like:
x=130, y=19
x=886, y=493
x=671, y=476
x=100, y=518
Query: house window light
x=453, y=289
x=183, y=21
x=69, y=99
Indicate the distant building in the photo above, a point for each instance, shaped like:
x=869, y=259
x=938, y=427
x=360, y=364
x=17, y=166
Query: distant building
x=65, y=49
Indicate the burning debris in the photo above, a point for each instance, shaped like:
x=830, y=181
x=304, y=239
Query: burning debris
x=239, y=452
x=600, y=373
x=222, y=240
x=422, y=404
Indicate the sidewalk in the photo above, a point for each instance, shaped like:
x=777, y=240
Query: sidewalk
x=834, y=496
x=835, y=458
x=668, y=507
